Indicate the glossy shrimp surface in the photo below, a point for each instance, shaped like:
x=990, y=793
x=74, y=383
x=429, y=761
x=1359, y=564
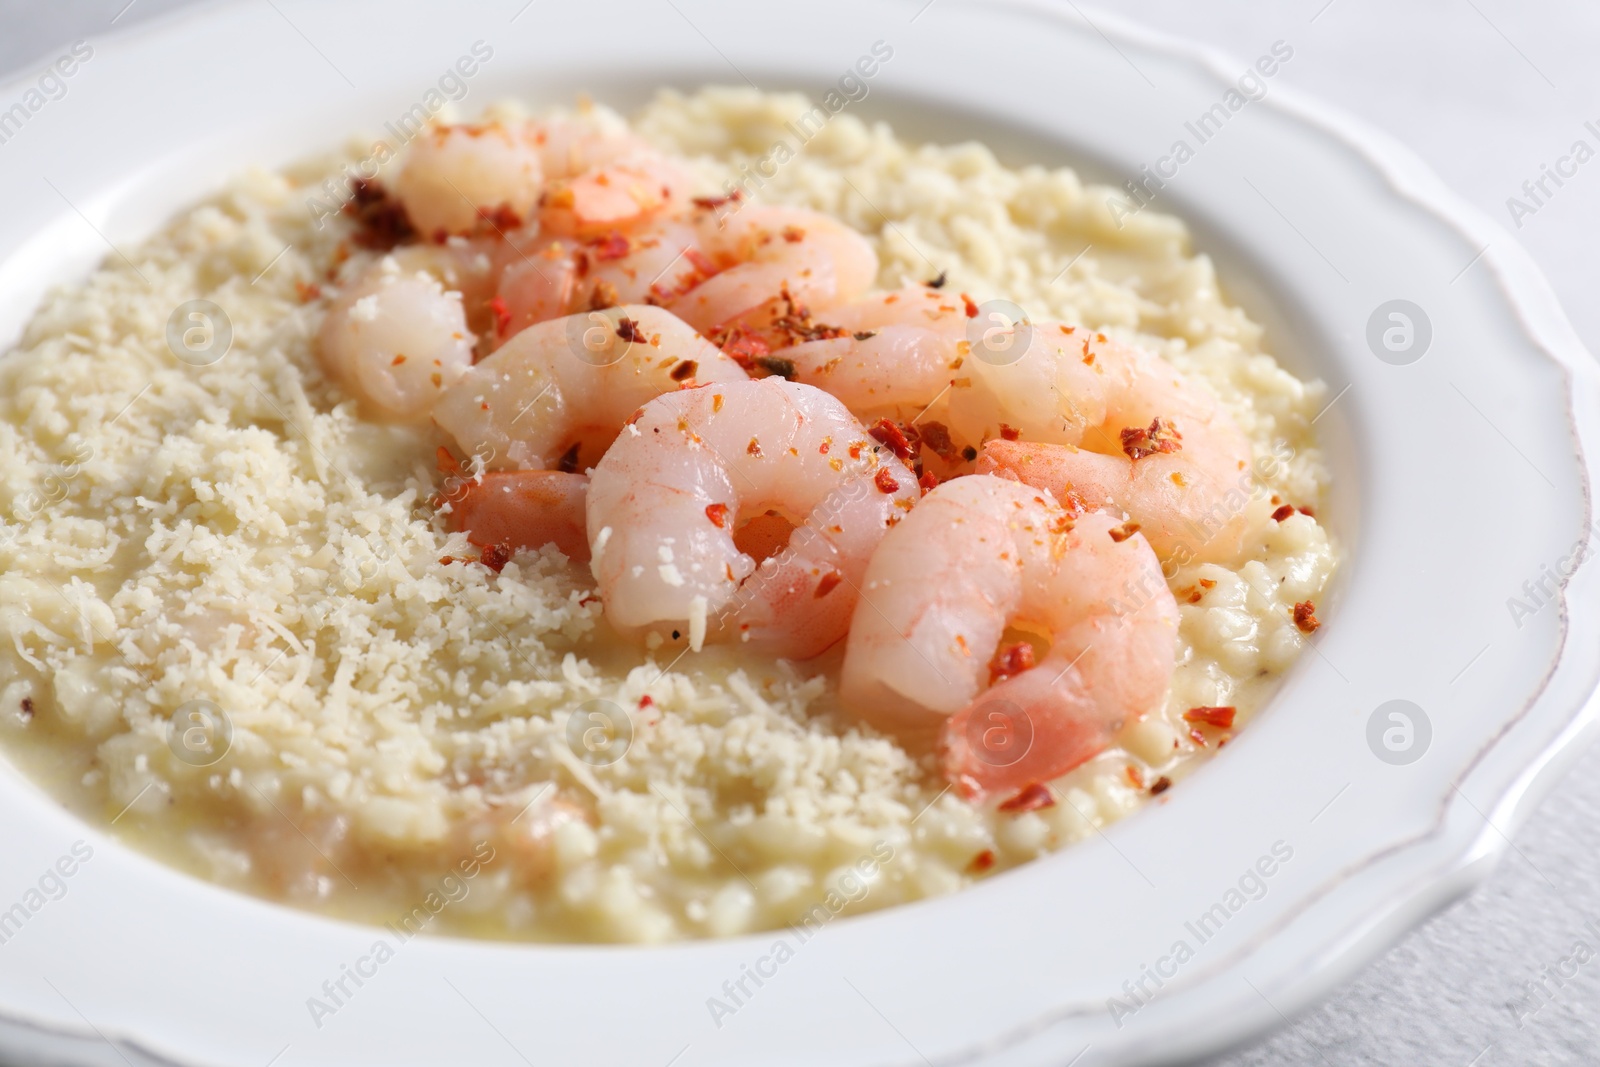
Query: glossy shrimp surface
x=652, y=263
x=397, y=340
x=515, y=510
x=558, y=393
x=454, y=177
x=668, y=501
x=980, y=555
x=895, y=354
x=815, y=259
x=1162, y=449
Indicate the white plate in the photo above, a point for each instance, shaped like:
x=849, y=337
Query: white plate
x=1459, y=476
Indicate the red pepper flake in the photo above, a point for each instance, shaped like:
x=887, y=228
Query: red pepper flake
x=981, y=862
x=445, y=561
x=502, y=315
x=827, y=443
x=1121, y=533
x=716, y=402
x=711, y=203
x=1135, y=776
x=753, y=448
x=778, y=365
x=793, y=234
x=308, y=291
x=684, y=370
x=1191, y=594
x=830, y=581
x=936, y=435
x=1010, y=660
x=718, y=514
x=902, y=444
x=745, y=347
x=1283, y=512
x=587, y=599
x=1009, y=433
x=604, y=296
x=885, y=482
x=646, y=701
x=1219, y=716
x=928, y=482
x=397, y=360
x=1031, y=798
x=1159, y=437
x=495, y=557
x=437, y=379
x=383, y=221
x=1208, y=583
x=612, y=246
x=1307, y=512
x=1160, y=785
x=27, y=709
x=970, y=307
x=628, y=330
x=1305, y=616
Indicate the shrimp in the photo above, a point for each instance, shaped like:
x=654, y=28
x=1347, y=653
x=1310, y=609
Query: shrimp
x=619, y=195
x=894, y=355
x=396, y=340
x=453, y=177
x=557, y=394
x=1160, y=448
x=463, y=265
x=514, y=510
x=781, y=258
x=981, y=554
x=667, y=502
x=650, y=264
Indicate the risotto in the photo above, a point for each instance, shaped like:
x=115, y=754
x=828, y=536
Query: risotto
x=240, y=631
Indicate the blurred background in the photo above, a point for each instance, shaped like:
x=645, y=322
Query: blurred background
x=1492, y=94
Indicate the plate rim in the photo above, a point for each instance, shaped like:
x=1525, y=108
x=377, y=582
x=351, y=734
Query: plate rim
x=1526, y=292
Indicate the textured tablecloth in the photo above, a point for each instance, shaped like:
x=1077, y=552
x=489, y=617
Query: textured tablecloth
x=1488, y=92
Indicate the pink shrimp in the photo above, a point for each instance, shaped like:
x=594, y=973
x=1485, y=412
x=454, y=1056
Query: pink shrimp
x=515, y=510
x=894, y=355
x=776, y=258
x=668, y=501
x=557, y=394
x=1162, y=449
x=981, y=554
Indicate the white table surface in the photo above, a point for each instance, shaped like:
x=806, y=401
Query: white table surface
x=1486, y=91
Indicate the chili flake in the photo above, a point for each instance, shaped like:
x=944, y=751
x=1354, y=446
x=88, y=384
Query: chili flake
x=1283, y=512
x=718, y=514
x=1160, y=785
x=1159, y=437
x=495, y=557
x=1121, y=533
x=982, y=861
x=502, y=315
x=1010, y=660
x=1305, y=616
x=885, y=482
x=684, y=370
x=1219, y=716
x=628, y=330
x=902, y=444
x=829, y=582
x=1031, y=798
